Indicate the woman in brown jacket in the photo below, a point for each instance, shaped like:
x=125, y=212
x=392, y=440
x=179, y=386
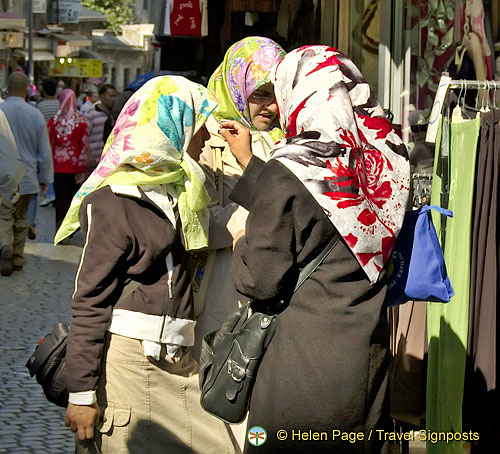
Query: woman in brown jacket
x=129, y=370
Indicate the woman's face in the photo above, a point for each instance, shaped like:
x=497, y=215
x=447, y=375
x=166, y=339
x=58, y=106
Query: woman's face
x=262, y=107
x=198, y=142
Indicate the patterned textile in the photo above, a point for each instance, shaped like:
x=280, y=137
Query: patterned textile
x=148, y=147
x=245, y=68
x=69, y=152
x=67, y=118
x=340, y=146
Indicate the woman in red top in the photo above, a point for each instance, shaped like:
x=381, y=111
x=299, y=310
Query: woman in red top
x=68, y=134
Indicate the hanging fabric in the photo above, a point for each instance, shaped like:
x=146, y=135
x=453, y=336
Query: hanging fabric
x=481, y=397
x=185, y=18
x=452, y=188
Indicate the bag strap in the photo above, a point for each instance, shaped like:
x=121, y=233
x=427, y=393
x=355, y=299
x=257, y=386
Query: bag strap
x=443, y=211
x=311, y=266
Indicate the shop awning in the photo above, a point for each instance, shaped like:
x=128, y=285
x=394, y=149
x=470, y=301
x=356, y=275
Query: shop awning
x=38, y=55
x=11, y=20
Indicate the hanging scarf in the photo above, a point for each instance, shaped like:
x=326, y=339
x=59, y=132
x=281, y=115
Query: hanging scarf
x=67, y=118
x=245, y=68
x=148, y=147
x=340, y=146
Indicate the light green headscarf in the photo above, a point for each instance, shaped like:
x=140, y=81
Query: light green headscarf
x=148, y=146
x=246, y=67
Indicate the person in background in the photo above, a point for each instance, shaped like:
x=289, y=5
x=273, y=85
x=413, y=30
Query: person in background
x=61, y=85
x=341, y=173
x=96, y=118
x=11, y=172
x=121, y=99
x=128, y=352
x=92, y=99
x=49, y=106
x=30, y=132
x=68, y=135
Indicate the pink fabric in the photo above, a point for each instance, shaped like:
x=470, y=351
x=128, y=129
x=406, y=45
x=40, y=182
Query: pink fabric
x=68, y=117
x=477, y=23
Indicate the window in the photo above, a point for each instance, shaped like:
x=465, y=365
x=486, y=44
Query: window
x=145, y=5
x=113, y=76
x=138, y=72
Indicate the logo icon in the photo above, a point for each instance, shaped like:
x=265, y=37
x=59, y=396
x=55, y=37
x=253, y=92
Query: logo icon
x=257, y=436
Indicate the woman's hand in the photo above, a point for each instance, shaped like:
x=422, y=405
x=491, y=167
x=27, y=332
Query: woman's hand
x=80, y=178
x=91, y=161
x=82, y=419
x=238, y=235
x=239, y=140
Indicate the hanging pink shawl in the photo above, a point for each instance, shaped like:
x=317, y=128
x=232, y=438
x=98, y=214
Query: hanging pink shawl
x=340, y=146
x=68, y=118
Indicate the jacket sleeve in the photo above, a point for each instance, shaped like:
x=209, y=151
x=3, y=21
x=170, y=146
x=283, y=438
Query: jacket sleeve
x=98, y=285
x=243, y=190
x=219, y=236
x=44, y=153
x=11, y=168
x=264, y=265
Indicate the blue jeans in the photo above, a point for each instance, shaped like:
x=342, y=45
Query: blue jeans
x=31, y=213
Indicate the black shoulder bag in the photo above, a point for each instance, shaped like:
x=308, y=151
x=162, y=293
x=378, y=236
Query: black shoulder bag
x=231, y=355
x=47, y=363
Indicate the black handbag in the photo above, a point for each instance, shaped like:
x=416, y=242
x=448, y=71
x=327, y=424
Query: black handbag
x=231, y=355
x=47, y=364
x=48, y=361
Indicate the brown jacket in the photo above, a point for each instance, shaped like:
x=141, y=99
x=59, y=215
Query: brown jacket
x=127, y=238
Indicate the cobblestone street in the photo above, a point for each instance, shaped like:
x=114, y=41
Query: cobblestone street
x=32, y=301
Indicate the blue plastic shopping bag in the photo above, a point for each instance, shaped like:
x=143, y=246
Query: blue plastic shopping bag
x=416, y=270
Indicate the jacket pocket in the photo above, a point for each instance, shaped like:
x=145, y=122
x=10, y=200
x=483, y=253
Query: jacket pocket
x=115, y=429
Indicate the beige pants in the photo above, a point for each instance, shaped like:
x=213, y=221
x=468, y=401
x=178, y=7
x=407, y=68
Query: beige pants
x=154, y=407
x=14, y=227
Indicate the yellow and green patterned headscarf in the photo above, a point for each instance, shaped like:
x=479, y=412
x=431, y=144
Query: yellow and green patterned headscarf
x=148, y=146
x=246, y=67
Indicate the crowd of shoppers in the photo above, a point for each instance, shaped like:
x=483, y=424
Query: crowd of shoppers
x=199, y=200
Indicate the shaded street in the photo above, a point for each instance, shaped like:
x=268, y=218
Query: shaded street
x=32, y=301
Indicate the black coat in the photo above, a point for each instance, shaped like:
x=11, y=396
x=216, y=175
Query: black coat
x=326, y=367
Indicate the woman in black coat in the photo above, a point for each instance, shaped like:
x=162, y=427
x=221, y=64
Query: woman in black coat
x=341, y=170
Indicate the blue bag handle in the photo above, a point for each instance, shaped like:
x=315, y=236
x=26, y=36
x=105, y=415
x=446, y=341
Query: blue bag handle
x=440, y=210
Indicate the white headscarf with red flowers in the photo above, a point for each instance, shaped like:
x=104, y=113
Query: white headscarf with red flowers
x=341, y=147
x=67, y=118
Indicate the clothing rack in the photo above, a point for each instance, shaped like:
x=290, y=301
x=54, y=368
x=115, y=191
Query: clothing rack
x=445, y=140
x=421, y=176
x=474, y=84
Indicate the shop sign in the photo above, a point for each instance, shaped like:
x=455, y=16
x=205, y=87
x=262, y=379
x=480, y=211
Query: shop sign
x=76, y=67
x=39, y=6
x=69, y=11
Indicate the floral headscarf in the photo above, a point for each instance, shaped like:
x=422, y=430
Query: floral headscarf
x=245, y=68
x=148, y=146
x=67, y=118
x=340, y=146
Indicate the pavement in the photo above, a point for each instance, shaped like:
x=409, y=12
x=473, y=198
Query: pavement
x=32, y=301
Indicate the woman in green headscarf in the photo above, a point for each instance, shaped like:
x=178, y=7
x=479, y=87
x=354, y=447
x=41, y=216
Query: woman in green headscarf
x=132, y=325
x=241, y=83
